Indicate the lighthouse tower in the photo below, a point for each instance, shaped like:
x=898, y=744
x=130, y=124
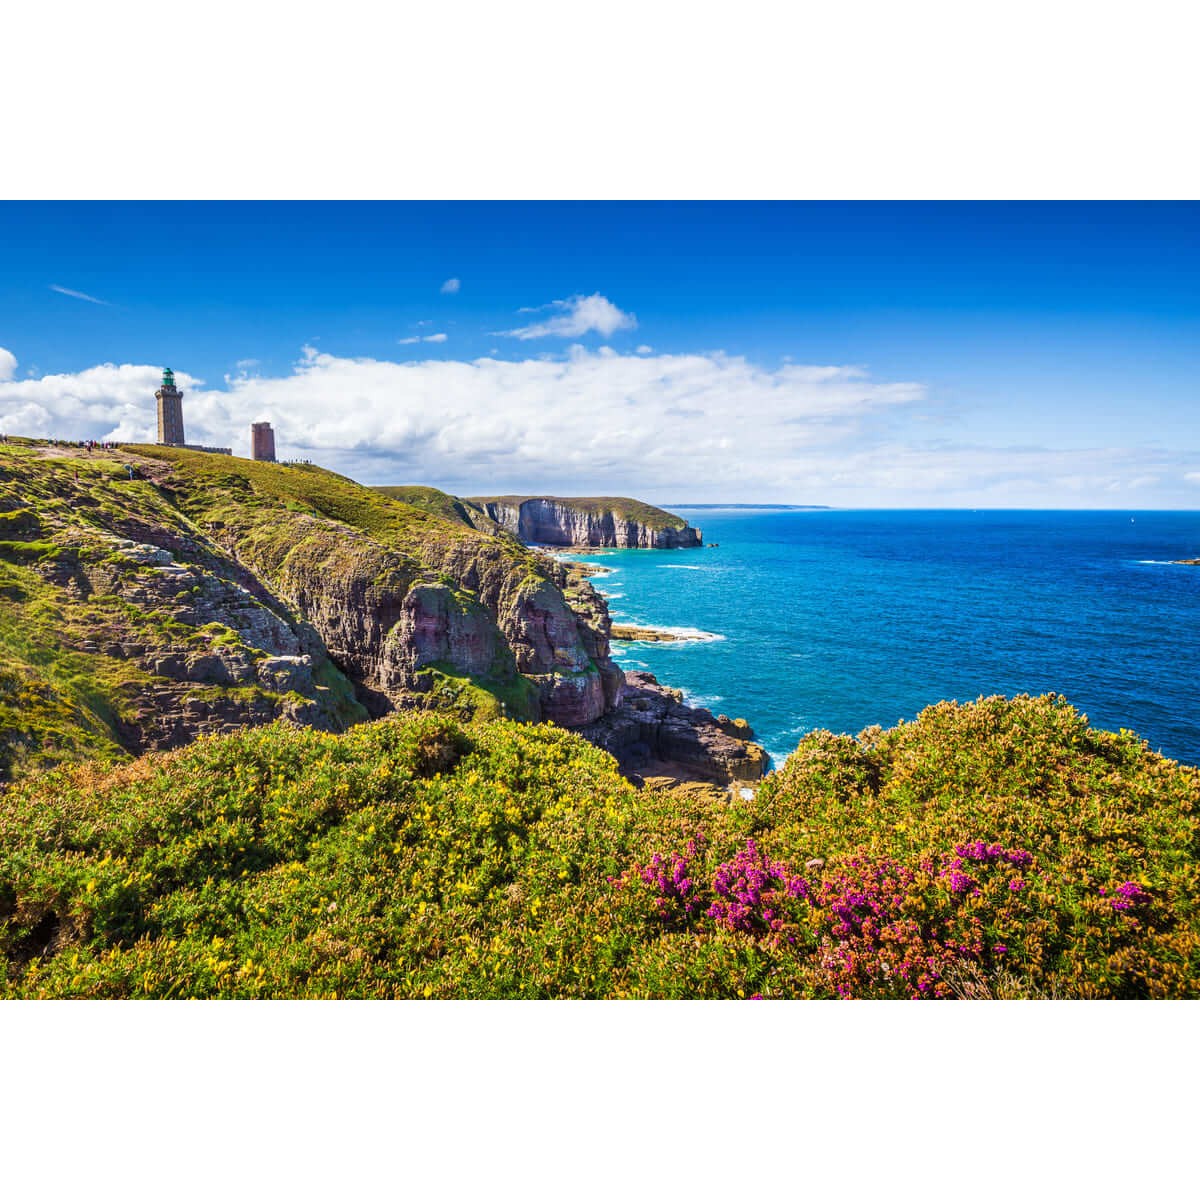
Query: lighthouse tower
x=170, y=411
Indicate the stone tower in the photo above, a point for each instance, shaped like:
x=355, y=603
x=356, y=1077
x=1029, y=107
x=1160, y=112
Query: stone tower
x=262, y=441
x=170, y=411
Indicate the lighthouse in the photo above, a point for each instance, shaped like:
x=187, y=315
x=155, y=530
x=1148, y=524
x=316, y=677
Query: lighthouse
x=170, y=411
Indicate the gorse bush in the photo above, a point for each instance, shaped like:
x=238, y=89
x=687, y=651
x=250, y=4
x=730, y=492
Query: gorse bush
x=1002, y=848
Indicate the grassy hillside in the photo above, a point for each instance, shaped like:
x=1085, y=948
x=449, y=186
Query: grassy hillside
x=136, y=610
x=305, y=488
x=450, y=508
x=1001, y=848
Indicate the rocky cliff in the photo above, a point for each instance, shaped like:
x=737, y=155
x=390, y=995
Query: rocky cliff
x=580, y=521
x=204, y=593
x=654, y=733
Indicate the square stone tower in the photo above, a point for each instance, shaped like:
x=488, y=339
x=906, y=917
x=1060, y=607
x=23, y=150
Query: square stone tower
x=170, y=411
x=262, y=441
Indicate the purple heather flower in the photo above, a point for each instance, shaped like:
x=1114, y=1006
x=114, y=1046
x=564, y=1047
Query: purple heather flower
x=1130, y=894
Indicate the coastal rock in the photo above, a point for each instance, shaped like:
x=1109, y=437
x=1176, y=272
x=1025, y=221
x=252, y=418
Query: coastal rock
x=561, y=521
x=637, y=633
x=286, y=673
x=439, y=625
x=654, y=733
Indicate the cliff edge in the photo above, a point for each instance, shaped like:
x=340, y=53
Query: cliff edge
x=152, y=594
x=587, y=521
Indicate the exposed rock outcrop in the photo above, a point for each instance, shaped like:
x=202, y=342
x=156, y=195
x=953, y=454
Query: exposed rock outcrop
x=469, y=605
x=654, y=733
x=562, y=521
x=555, y=628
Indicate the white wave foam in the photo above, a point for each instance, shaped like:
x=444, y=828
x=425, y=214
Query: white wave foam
x=679, y=567
x=688, y=634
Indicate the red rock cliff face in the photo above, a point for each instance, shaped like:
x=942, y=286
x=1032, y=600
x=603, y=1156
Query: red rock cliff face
x=558, y=637
x=551, y=522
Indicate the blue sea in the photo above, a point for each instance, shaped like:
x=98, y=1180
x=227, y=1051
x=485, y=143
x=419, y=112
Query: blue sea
x=841, y=619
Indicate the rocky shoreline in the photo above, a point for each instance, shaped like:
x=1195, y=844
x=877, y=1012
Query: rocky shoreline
x=653, y=733
x=650, y=731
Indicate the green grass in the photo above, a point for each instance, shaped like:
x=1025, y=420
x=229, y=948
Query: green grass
x=449, y=508
x=418, y=856
x=480, y=698
x=210, y=482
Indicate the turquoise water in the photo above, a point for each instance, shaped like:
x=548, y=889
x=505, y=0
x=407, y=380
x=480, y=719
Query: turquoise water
x=842, y=619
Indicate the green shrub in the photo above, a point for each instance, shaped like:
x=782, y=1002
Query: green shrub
x=999, y=848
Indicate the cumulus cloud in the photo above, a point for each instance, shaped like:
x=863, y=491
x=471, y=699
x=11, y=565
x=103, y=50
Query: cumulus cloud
x=645, y=349
x=451, y=286
x=8, y=364
x=1193, y=477
x=65, y=291
x=587, y=420
x=576, y=316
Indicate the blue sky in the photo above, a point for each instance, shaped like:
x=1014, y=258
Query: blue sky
x=1039, y=355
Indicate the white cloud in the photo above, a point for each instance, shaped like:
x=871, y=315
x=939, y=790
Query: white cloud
x=54, y=287
x=578, y=315
x=245, y=364
x=436, y=337
x=667, y=428
x=412, y=341
x=451, y=286
x=644, y=349
x=587, y=420
x=107, y=401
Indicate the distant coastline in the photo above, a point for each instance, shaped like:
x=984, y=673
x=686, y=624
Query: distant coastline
x=762, y=507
